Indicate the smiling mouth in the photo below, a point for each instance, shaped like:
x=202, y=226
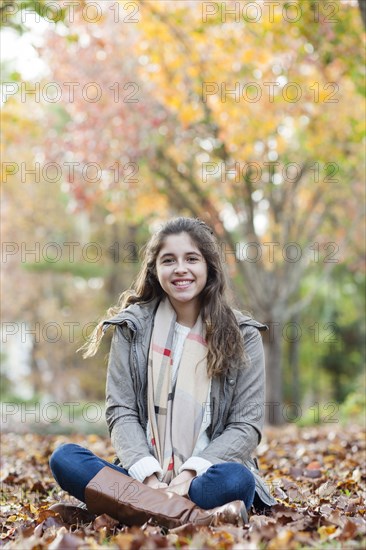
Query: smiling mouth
x=182, y=284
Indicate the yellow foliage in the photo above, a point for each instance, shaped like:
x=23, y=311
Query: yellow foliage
x=188, y=114
x=150, y=203
x=326, y=530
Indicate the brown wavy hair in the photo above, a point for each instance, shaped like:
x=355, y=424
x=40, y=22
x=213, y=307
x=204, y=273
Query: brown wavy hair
x=223, y=336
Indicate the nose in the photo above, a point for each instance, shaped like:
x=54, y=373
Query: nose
x=180, y=267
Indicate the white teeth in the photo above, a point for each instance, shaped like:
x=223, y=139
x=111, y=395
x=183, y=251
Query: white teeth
x=182, y=283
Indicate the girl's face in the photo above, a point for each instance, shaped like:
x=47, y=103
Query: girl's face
x=181, y=270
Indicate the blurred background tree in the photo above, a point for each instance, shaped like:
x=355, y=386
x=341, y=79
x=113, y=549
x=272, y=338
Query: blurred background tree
x=255, y=127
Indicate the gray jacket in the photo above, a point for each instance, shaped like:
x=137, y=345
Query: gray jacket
x=237, y=398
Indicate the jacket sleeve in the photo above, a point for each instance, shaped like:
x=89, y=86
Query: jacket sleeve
x=244, y=424
x=127, y=435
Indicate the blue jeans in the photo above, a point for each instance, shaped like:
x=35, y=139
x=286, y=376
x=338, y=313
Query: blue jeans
x=73, y=467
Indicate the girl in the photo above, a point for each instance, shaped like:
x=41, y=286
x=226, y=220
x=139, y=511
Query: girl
x=184, y=394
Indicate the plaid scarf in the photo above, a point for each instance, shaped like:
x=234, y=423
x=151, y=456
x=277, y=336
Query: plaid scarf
x=175, y=413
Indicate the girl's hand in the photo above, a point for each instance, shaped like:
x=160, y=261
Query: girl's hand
x=181, y=484
x=185, y=476
x=153, y=482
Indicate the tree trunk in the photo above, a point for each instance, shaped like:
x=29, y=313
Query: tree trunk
x=123, y=260
x=273, y=348
x=36, y=375
x=293, y=361
x=362, y=6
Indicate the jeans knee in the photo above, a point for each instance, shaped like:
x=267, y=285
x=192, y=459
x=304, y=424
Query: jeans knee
x=246, y=475
x=223, y=483
x=239, y=478
x=249, y=479
x=61, y=455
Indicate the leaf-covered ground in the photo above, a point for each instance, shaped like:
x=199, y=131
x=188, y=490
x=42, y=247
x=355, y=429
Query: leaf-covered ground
x=316, y=474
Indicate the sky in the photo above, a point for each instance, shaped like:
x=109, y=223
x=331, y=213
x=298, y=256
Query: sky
x=19, y=50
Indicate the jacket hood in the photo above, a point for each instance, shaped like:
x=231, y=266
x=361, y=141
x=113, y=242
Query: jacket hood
x=138, y=314
x=247, y=320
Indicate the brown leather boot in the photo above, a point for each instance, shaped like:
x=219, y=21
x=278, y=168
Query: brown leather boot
x=133, y=503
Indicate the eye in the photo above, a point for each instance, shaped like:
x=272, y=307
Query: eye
x=167, y=260
x=192, y=259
